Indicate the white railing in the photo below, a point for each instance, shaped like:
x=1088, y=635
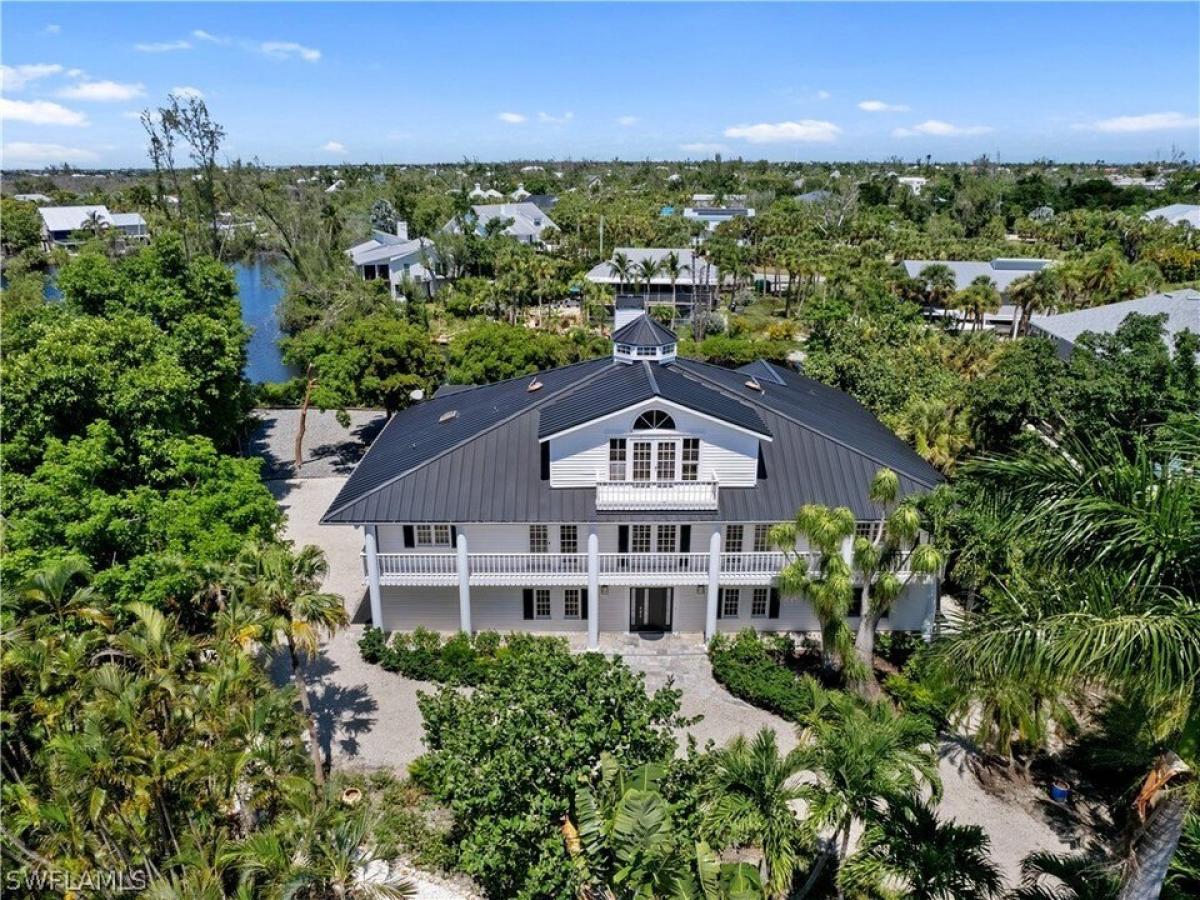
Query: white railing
x=654, y=495
x=527, y=563
x=653, y=564
x=425, y=564
x=767, y=562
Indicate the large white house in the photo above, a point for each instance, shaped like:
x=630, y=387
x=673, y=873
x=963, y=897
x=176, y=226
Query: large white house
x=397, y=258
x=624, y=494
x=61, y=224
x=695, y=282
x=524, y=222
x=1002, y=272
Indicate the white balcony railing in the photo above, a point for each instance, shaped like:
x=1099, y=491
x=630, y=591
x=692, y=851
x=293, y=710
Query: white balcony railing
x=527, y=563
x=653, y=563
x=655, y=495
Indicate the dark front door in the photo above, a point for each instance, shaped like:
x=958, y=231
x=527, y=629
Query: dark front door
x=650, y=609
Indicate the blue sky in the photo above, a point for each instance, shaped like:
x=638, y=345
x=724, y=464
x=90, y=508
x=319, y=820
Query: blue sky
x=332, y=82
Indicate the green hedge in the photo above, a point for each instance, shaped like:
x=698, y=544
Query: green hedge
x=752, y=668
x=424, y=656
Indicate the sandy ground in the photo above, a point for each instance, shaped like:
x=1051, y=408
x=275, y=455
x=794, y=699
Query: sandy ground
x=329, y=449
x=368, y=718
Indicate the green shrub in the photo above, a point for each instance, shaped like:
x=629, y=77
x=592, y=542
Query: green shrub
x=753, y=669
x=423, y=656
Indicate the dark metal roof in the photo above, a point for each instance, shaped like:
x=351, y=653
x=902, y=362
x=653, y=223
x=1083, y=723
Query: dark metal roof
x=644, y=332
x=630, y=301
x=447, y=389
x=484, y=466
x=632, y=384
x=761, y=370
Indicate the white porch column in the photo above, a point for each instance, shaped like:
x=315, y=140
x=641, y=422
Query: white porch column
x=464, y=586
x=714, y=585
x=371, y=542
x=593, y=572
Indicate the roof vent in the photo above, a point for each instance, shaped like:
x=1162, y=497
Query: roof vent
x=448, y=416
x=534, y=385
x=753, y=384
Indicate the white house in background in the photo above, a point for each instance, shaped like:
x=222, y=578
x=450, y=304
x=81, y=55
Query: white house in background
x=630, y=493
x=479, y=193
x=1188, y=213
x=526, y=221
x=32, y=198
x=712, y=216
x=913, y=182
x=60, y=223
x=520, y=193
x=1003, y=273
x=1151, y=184
x=396, y=257
x=1181, y=308
x=696, y=283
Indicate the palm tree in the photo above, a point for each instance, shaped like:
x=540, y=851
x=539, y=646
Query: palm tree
x=862, y=754
x=1112, y=538
x=937, y=430
x=934, y=860
x=48, y=593
x=978, y=298
x=285, y=586
x=748, y=802
x=939, y=283
x=621, y=268
x=1079, y=876
x=646, y=270
x=1037, y=293
x=673, y=267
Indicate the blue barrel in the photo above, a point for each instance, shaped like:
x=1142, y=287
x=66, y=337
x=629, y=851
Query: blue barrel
x=1060, y=791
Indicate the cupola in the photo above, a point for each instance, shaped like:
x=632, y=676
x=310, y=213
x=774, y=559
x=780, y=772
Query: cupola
x=644, y=340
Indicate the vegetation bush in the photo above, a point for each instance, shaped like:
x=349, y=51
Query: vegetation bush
x=750, y=668
x=423, y=655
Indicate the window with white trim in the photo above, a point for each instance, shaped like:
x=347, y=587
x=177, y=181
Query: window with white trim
x=616, y=459
x=541, y=603
x=759, y=603
x=654, y=419
x=647, y=351
x=733, y=538
x=571, y=603
x=690, y=470
x=433, y=535
x=762, y=538
x=641, y=460
x=639, y=538
x=730, y=600
x=568, y=538
x=625, y=348
x=665, y=464
x=667, y=538
x=539, y=538
x=865, y=530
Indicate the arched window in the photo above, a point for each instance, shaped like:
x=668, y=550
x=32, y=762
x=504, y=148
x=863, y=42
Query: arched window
x=653, y=419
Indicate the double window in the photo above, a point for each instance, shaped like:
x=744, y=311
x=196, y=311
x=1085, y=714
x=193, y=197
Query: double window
x=667, y=460
x=433, y=535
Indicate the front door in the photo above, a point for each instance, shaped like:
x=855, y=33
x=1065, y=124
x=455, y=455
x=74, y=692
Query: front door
x=650, y=609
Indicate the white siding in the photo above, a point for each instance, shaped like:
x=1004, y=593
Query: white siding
x=729, y=455
x=492, y=609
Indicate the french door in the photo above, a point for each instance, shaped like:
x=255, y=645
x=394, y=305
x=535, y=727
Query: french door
x=650, y=609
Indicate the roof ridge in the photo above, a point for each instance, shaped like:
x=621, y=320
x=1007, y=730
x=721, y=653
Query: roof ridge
x=650, y=375
x=805, y=425
x=503, y=421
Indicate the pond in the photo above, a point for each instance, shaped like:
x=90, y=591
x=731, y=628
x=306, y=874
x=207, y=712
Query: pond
x=260, y=289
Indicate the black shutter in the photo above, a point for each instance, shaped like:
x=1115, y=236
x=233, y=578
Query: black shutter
x=622, y=538
x=453, y=536
x=720, y=603
x=527, y=601
x=410, y=538
x=774, y=610
x=685, y=538
x=583, y=603
x=545, y=460
x=762, y=465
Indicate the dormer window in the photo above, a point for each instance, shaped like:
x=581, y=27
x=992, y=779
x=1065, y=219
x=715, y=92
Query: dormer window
x=653, y=420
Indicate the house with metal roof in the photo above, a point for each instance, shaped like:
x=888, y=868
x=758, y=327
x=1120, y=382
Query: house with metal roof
x=524, y=222
x=1003, y=272
x=61, y=224
x=695, y=282
x=396, y=258
x=1187, y=213
x=631, y=493
x=1180, y=311
x=712, y=216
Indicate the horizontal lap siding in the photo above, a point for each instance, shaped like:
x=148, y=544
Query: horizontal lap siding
x=492, y=609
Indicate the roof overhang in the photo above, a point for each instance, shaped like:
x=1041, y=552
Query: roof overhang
x=649, y=403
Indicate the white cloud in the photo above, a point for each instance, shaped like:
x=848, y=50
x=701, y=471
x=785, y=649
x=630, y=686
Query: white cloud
x=804, y=131
x=936, y=128
x=512, y=118
x=25, y=152
x=52, y=29
x=76, y=73
x=823, y=95
x=201, y=35
x=627, y=120
x=40, y=112
x=132, y=114
x=880, y=106
x=700, y=148
x=335, y=147
x=1163, y=121
x=556, y=120
x=187, y=91
x=103, y=91
x=162, y=46
x=14, y=78
x=288, y=50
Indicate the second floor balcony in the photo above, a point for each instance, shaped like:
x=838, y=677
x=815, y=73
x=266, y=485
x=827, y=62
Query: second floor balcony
x=655, y=495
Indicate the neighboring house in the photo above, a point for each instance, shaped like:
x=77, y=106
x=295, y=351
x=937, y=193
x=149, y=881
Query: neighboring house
x=632, y=493
x=32, y=198
x=1188, y=213
x=712, y=216
x=1182, y=309
x=1003, y=273
x=61, y=223
x=396, y=257
x=335, y=187
x=913, y=182
x=814, y=197
x=544, y=202
x=527, y=224
x=697, y=282
x=711, y=200
x=520, y=193
x=478, y=193
x=1150, y=184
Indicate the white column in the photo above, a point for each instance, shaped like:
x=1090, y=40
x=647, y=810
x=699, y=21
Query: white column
x=714, y=585
x=464, y=585
x=372, y=546
x=593, y=610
